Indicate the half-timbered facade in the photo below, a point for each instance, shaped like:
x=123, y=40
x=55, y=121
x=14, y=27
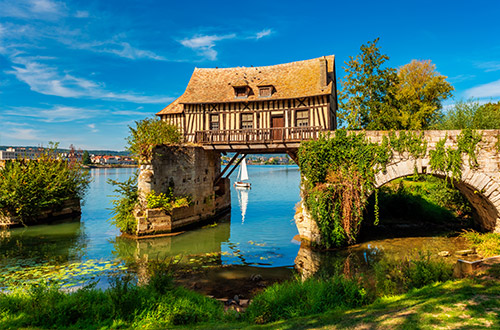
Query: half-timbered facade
x=257, y=105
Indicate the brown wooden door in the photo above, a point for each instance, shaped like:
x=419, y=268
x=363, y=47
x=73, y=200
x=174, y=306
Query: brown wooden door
x=277, y=122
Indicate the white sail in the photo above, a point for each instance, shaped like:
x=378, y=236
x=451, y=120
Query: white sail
x=243, y=172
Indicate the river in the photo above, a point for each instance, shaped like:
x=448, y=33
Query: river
x=257, y=237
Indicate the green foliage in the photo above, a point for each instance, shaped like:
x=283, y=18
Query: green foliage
x=167, y=201
x=376, y=97
x=86, y=158
x=486, y=244
x=420, y=91
x=449, y=160
x=29, y=186
x=416, y=271
x=149, y=133
x=339, y=172
x=367, y=93
x=412, y=143
x=125, y=203
x=471, y=115
x=430, y=199
x=123, y=304
x=296, y=298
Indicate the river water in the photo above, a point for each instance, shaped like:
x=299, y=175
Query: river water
x=256, y=237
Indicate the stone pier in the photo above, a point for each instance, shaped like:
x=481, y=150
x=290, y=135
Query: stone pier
x=188, y=171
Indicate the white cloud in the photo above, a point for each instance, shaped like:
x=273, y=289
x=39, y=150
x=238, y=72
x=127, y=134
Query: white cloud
x=204, y=44
x=489, y=90
x=40, y=9
x=56, y=114
x=262, y=34
x=121, y=49
x=92, y=128
x=24, y=134
x=49, y=80
x=489, y=66
x=82, y=14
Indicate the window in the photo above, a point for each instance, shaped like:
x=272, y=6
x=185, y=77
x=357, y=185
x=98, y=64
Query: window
x=247, y=120
x=302, y=118
x=265, y=91
x=240, y=91
x=214, y=122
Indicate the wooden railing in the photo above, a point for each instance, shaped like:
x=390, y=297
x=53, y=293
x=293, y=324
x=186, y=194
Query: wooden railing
x=258, y=135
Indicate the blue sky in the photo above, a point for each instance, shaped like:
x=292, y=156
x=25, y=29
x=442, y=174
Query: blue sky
x=80, y=72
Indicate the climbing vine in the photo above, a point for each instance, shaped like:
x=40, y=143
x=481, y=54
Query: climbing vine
x=339, y=173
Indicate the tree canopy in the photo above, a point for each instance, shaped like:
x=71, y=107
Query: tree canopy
x=471, y=114
x=367, y=90
x=419, y=94
x=374, y=96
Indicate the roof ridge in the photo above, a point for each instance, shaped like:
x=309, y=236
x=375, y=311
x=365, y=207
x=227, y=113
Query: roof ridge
x=265, y=66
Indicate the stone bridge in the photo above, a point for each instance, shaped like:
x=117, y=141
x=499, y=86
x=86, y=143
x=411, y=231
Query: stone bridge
x=481, y=185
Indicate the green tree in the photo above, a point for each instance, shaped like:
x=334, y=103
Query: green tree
x=149, y=133
x=471, y=114
x=85, y=158
x=420, y=91
x=367, y=92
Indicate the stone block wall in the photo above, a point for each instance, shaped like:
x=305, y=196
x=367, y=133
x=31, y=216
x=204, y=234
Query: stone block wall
x=187, y=170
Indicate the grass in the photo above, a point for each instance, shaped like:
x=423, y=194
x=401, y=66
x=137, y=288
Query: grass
x=460, y=304
x=486, y=244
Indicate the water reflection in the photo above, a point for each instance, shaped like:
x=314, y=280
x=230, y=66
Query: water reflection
x=361, y=258
x=62, y=242
x=242, y=201
x=202, y=241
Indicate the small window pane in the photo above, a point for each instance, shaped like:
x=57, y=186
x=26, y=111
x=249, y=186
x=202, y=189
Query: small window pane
x=214, y=122
x=247, y=120
x=302, y=118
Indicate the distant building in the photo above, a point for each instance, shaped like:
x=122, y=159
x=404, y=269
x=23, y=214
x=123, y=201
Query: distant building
x=17, y=153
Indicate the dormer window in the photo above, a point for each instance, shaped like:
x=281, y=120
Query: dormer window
x=241, y=88
x=241, y=91
x=265, y=89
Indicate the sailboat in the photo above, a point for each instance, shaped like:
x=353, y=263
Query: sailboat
x=242, y=176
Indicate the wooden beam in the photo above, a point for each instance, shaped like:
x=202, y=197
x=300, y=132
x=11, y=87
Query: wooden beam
x=236, y=165
x=217, y=179
x=293, y=155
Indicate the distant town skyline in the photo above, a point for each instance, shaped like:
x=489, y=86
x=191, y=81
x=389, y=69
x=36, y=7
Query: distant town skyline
x=80, y=72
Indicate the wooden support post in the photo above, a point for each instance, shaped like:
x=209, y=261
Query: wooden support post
x=217, y=179
x=293, y=155
x=236, y=165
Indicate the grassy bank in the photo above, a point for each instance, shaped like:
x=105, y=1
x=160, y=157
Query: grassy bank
x=160, y=304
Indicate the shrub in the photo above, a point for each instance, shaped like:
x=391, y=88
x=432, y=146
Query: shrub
x=149, y=133
x=296, y=298
x=123, y=207
x=29, y=186
x=416, y=271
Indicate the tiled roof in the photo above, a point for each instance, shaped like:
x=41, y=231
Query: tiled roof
x=290, y=80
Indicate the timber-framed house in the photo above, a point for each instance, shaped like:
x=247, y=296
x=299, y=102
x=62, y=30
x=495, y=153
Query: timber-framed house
x=258, y=108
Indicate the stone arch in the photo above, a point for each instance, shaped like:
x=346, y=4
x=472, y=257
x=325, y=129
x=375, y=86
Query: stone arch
x=482, y=191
